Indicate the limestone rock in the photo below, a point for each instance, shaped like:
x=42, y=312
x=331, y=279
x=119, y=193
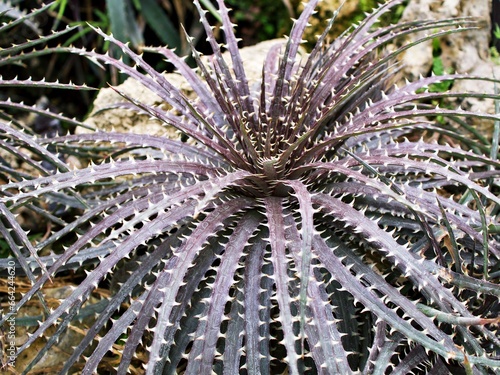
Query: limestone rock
x=464, y=52
x=460, y=51
x=123, y=120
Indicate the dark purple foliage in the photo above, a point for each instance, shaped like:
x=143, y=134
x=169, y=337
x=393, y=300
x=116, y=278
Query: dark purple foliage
x=302, y=227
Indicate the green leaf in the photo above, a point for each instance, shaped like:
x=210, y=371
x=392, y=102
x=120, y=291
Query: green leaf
x=122, y=21
x=158, y=20
x=439, y=70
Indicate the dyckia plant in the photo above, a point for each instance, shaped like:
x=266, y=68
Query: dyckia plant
x=304, y=226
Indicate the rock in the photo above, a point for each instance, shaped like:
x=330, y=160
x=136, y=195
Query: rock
x=460, y=51
x=123, y=120
x=464, y=52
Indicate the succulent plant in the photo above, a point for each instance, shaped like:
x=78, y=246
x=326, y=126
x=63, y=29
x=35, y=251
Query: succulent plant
x=310, y=225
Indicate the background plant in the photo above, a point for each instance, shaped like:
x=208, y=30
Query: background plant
x=302, y=227
x=132, y=21
x=496, y=39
